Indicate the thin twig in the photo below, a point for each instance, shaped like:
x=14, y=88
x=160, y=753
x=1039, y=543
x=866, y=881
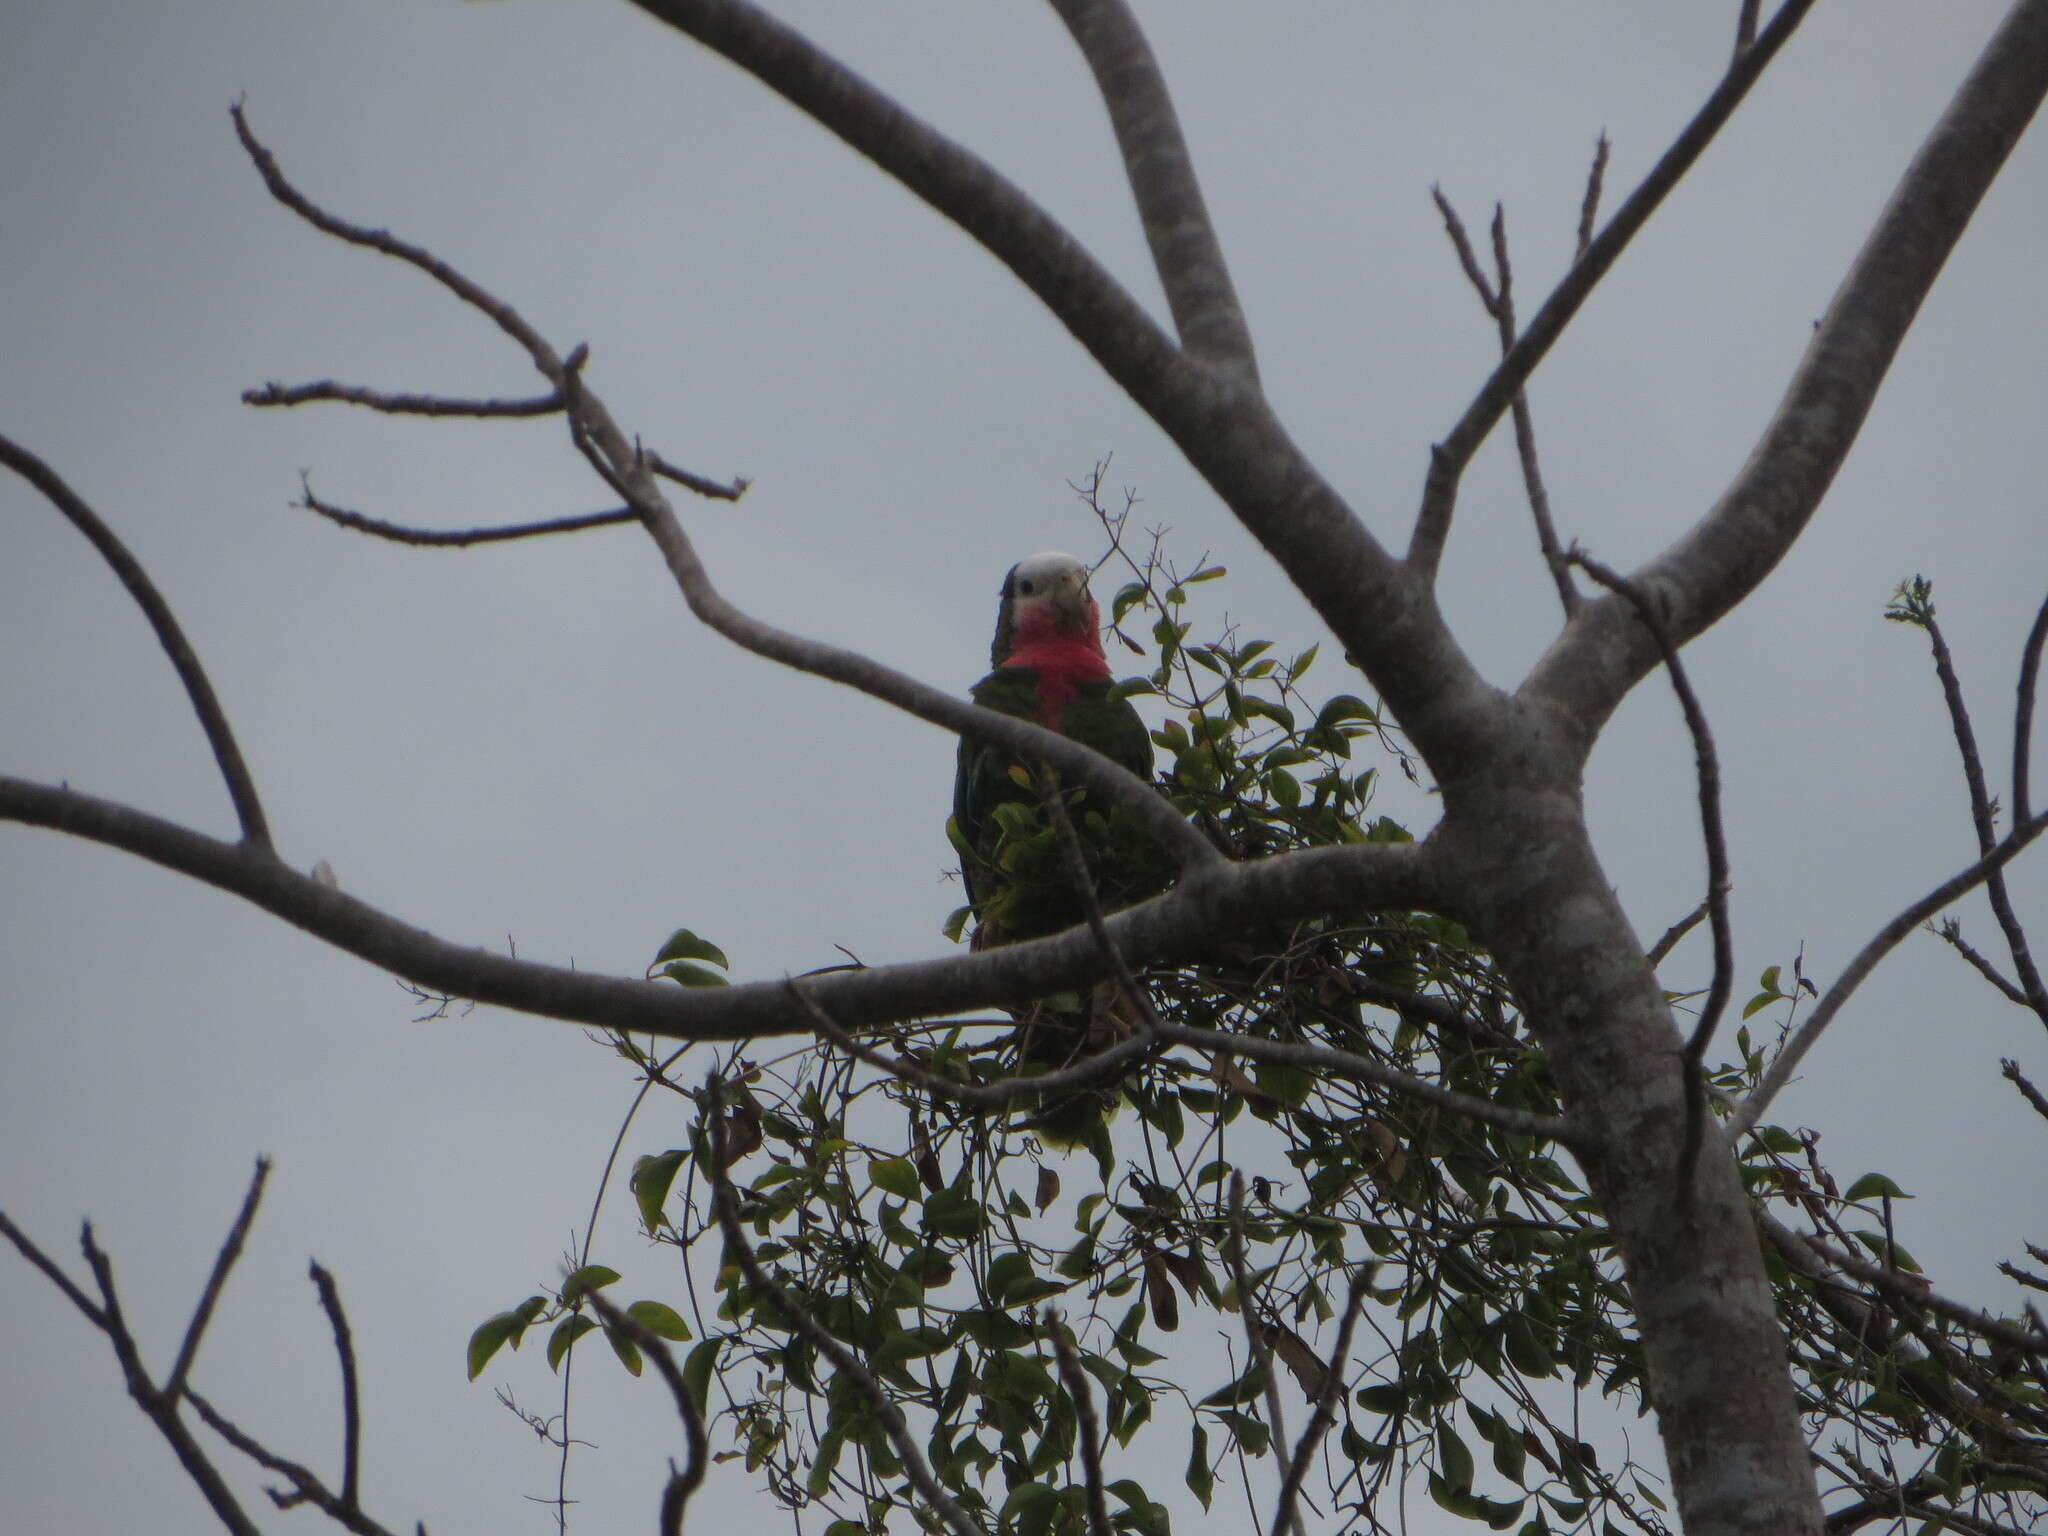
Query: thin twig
x=351, y=1400
x=1919, y=1292
x=1951, y=934
x=213, y=719
x=1866, y=960
x=1919, y=608
x=1326, y=1404
x=2023, y=712
x=2010, y=1070
x=1254, y=1330
x=307, y=1488
x=1076, y=861
x=223, y=1262
x=1589, y=206
x=1718, y=881
x=461, y=538
x=395, y=404
x=1328, y=1062
x=886, y=1412
x=1449, y=457
x=1084, y=1073
x=1677, y=931
x=1745, y=26
x=729, y=490
x=51, y=1272
x=683, y=1482
x=1087, y=1428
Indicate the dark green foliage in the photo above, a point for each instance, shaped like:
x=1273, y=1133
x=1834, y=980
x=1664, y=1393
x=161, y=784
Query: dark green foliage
x=947, y=1246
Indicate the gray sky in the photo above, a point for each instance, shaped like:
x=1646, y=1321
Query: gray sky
x=538, y=743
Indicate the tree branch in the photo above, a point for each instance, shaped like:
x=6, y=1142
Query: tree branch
x=686, y=1480
x=351, y=1402
x=1718, y=879
x=1450, y=457
x=1185, y=251
x=460, y=538
x=205, y=704
x=1177, y=925
x=223, y=1261
x=1866, y=961
x=1603, y=653
x=399, y=404
x=1916, y=606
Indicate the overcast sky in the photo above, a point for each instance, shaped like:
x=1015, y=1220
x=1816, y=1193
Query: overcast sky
x=536, y=744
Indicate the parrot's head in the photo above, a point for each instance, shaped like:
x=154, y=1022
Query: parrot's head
x=1048, y=615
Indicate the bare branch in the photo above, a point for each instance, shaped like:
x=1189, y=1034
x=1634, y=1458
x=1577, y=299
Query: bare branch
x=1718, y=879
x=1174, y=926
x=1589, y=206
x=351, y=1402
x=1255, y=1331
x=460, y=538
x=1866, y=960
x=51, y=1272
x=205, y=704
x=1951, y=934
x=1678, y=930
x=1723, y=557
x=306, y=1486
x=729, y=490
x=1325, y=1413
x=1185, y=251
x=1088, y=1428
x=1917, y=607
x=956, y=183
x=400, y=404
x=686, y=1480
x=223, y=1262
x=2023, y=712
x=1916, y=1290
x=2010, y=1071
x=1449, y=458
x=503, y=315
x=1525, y=430
x=799, y=1320
x=1745, y=26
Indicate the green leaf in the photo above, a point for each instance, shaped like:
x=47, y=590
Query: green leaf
x=566, y=1333
x=697, y=1370
x=652, y=1179
x=956, y=923
x=660, y=1319
x=1454, y=1457
x=627, y=1351
x=685, y=945
x=894, y=1175
x=1206, y=573
x=1201, y=1479
x=1302, y=663
x=591, y=1277
x=1872, y=1184
x=495, y=1332
x=683, y=972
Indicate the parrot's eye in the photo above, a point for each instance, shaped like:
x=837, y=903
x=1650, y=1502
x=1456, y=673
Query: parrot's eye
x=1024, y=588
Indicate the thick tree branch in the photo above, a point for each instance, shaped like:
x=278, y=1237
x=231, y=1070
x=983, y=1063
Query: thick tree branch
x=1603, y=653
x=1450, y=457
x=1185, y=251
x=1178, y=925
x=205, y=704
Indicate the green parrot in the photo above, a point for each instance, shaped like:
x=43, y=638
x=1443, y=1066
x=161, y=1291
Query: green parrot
x=1049, y=667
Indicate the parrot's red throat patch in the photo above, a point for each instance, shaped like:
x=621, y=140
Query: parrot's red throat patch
x=1063, y=663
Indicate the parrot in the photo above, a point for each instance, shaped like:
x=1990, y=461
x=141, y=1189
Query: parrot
x=1048, y=667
